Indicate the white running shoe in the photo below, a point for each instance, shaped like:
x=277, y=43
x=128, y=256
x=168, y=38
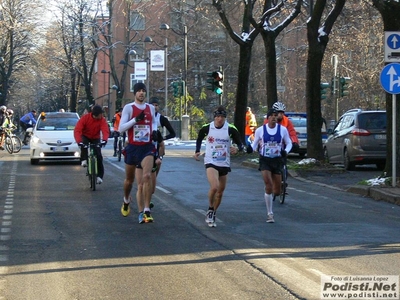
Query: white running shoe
x=210, y=216
x=84, y=163
x=270, y=218
x=99, y=180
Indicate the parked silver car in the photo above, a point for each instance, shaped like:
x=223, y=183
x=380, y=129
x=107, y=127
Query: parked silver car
x=358, y=138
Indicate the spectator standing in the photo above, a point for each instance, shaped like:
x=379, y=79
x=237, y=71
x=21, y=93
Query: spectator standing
x=251, y=125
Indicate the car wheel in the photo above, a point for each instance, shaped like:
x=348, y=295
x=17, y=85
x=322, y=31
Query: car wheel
x=347, y=164
x=302, y=154
x=380, y=166
x=34, y=161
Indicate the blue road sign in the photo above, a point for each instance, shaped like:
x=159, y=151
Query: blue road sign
x=390, y=78
x=393, y=41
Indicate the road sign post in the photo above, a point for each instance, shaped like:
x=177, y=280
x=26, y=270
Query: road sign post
x=392, y=46
x=390, y=81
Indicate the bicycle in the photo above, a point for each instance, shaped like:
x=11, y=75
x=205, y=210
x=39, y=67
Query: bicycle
x=120, y=145
x=282, y=194
x=91, y=169
x=12, y=142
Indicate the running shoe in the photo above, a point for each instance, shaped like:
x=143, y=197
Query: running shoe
x=141, y=218
x=99, y=180
x=125, y=209
x=147, y=217
x=84, y=163
x=213, y=223
x=210, y=216
x=270, y=218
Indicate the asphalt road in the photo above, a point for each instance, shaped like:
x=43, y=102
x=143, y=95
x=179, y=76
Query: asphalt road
x=59, y=240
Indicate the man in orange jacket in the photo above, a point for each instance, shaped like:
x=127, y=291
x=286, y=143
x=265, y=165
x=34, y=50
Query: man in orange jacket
x=251, y=125
x=115, y=120
x=284, y=121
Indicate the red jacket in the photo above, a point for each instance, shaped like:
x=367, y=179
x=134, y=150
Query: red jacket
x=91, y=127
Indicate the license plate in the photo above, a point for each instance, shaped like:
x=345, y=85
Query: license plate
x=380, y=136
x=59, y=149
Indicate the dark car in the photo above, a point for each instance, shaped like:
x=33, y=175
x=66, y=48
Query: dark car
x=359, y=137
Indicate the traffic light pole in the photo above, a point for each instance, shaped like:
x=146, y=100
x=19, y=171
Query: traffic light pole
x=220, y=95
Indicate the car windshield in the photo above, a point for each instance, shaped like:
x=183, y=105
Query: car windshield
x=372, y=121
x=64, y=123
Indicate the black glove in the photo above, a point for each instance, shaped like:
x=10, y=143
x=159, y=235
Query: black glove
x=140, y=117
x=295, y=148
x=154, y=136
x=283, y=153
x=249, y=149
x=103, y=143
x=82, y=145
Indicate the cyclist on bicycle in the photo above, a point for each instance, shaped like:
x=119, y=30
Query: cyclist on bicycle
x=161, y=123
x=27, y=121
x=116, y=119
x=88, y=130
x=3, y=114
x=285, y=121
x=269, y=140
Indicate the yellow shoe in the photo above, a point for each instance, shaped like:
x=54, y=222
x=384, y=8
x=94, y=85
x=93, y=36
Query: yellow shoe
x=147, y=217
x=125, y=209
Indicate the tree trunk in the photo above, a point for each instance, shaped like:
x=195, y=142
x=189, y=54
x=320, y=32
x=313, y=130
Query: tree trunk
x=242, y=88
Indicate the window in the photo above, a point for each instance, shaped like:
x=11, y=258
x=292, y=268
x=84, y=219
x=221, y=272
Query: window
x=137, y=21
x=134, y=81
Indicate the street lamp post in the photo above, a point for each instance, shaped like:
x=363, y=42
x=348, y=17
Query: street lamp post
x=185, y=59
x=150, y=40
x=108, y=93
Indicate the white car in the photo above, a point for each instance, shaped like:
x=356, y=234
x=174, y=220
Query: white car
x=52, y=138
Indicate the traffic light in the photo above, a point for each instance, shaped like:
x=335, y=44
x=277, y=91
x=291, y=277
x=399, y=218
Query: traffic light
x=178, y=87
x=324, y=87
x=344, y=86
x=215, y=82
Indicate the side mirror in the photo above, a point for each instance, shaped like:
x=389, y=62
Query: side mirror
x=330, y=131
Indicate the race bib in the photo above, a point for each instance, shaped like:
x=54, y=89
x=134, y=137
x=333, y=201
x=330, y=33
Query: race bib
x=141, y=133
x=219, y=152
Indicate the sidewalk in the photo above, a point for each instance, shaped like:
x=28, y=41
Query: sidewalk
x=379, y=193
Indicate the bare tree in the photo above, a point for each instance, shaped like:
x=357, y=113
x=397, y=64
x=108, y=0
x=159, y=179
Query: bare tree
x=269, y=33
x=17, y=27
x=318, y=36
x=245, y=40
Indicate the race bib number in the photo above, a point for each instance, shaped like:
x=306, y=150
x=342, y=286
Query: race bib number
x=219, y=153
x=141, y=133
x=272, y=149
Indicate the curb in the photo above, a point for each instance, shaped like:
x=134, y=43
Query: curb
x=385, y=193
